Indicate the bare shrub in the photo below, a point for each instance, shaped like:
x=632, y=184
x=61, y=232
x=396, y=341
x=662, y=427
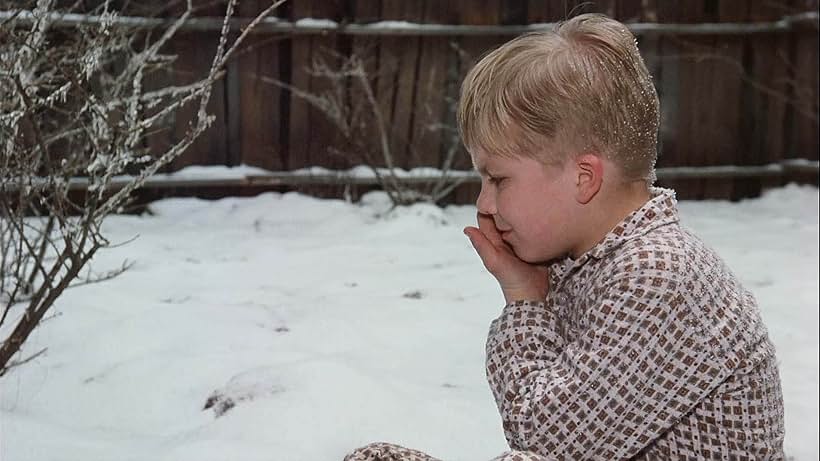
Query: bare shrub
x=74, y=108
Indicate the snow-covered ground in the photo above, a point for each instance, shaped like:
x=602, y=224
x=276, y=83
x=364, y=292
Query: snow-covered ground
x=330, y=325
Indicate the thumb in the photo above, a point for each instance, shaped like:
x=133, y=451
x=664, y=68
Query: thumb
x=485, y=249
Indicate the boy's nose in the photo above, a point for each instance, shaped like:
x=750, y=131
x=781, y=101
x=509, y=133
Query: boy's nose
x=485, y=202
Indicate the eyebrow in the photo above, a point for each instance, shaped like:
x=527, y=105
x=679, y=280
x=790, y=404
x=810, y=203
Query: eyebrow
x=481, y=169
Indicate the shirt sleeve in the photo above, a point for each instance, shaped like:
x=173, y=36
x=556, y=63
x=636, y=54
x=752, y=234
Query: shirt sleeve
x=636, y=368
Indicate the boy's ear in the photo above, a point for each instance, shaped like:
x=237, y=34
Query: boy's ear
x=589, y=177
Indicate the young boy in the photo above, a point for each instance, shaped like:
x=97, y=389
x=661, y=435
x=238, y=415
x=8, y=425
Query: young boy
x=624, y=336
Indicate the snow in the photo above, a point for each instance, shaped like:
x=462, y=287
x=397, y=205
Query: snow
x=212, y=172
x=396, y=25
x=239, y=172
x=317, y=326
x=363, y=171
x=361, y=174
x=316, y=23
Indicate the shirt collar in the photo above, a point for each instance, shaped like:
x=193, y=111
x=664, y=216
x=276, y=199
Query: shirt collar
x=661, y=209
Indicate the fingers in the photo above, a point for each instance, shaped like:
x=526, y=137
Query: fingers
x=487, y=226
x=485, y=249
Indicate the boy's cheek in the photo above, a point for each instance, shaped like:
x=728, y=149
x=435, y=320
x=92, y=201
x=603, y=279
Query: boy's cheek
x=535, y=249
x=526, y=251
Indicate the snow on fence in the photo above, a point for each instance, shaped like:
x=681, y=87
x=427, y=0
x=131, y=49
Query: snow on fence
x=209, y=177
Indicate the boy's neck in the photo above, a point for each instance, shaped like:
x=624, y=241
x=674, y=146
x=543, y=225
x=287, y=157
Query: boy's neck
x=615, y=205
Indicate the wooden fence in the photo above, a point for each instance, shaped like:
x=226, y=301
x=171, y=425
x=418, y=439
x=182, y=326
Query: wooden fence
x=741, y=98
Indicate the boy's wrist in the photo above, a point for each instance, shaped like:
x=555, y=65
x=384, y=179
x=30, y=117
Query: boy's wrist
x=534, y=287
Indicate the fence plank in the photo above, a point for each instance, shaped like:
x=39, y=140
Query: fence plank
x=538, y=11
x=387, y=77
x=805, y=114
x=628, y=11
x=650, y=48
x=697, y=131
x=160, y=137
x=260, y=120
x=722, y=125
x=195, y=51
x=367, y=49
x=406, y=53
x=325, y=138
x=458, y=63
x=299, y=129
x=698, y=147
x=311, y=134
x=762, y=138
x=429, y=104
x=668, y=83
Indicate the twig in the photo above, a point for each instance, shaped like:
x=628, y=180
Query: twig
x=16, y=363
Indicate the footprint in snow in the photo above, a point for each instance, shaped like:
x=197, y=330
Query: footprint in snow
x=242, y=388
x=413, y=295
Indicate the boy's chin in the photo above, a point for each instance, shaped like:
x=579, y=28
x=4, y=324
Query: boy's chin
x=533, y=257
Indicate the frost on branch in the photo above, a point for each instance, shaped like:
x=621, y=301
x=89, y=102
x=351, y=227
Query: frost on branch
x=73, y=104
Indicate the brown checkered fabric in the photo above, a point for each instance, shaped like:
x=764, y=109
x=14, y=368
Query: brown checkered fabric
x=646, y=348
x=387, y=452
x=390, y=452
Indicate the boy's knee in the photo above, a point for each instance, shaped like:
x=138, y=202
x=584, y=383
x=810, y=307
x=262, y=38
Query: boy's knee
x=519, y=456
x=381, y=451
x=369, y=452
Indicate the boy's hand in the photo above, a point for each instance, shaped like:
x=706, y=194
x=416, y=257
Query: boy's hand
x=519, y=280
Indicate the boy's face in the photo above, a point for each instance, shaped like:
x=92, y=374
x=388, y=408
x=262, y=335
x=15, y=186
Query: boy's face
x=533, y=205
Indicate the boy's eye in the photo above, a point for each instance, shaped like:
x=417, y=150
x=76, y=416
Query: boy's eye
x=496, y=179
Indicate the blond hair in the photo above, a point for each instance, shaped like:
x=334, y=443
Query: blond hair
x=581, y=87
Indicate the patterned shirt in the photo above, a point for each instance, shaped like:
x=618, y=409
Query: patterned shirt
x=647, y=347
